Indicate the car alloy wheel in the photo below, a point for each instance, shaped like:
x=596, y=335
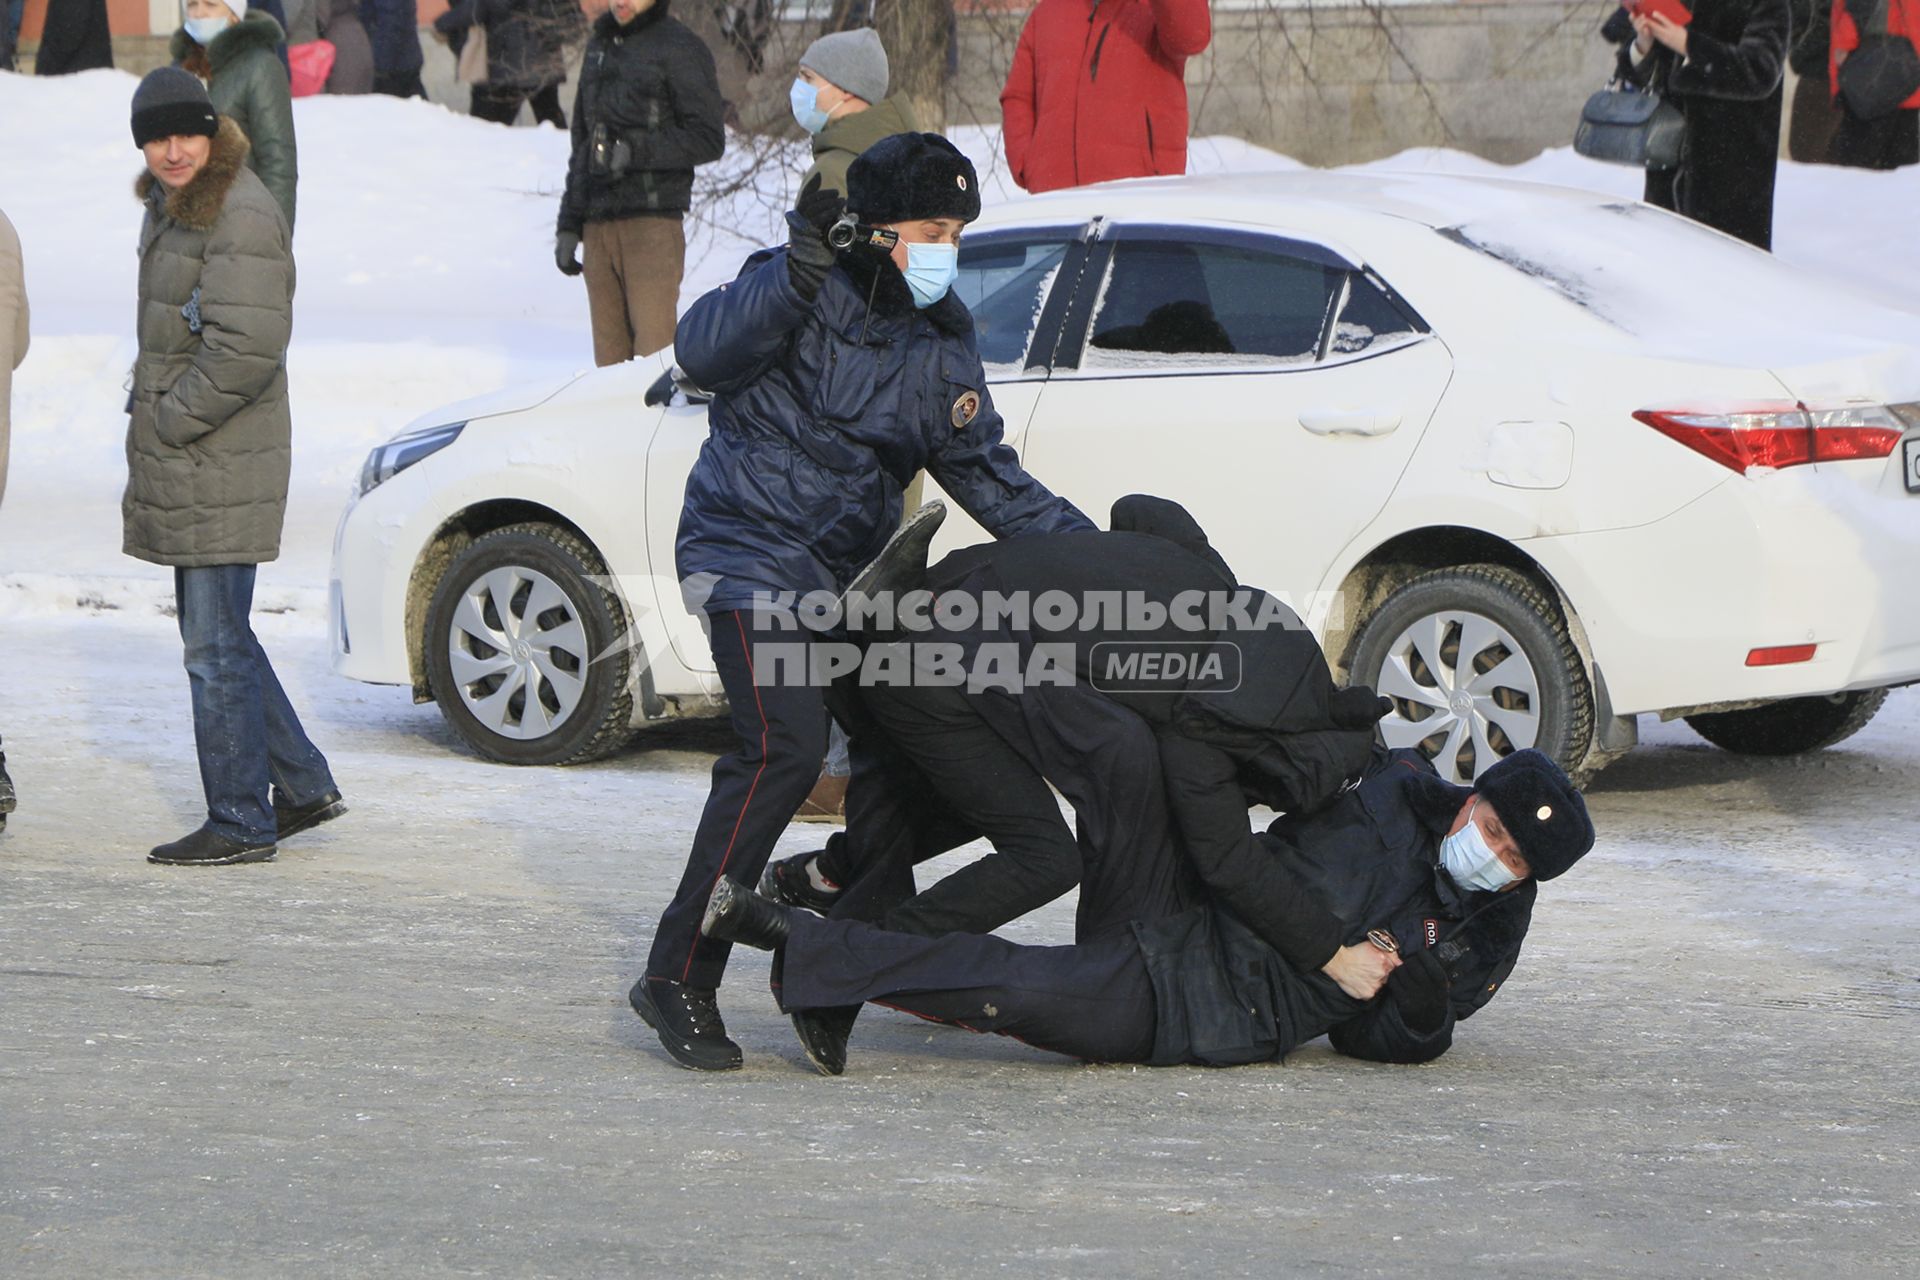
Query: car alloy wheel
x=1478, y=664
x=523, y=648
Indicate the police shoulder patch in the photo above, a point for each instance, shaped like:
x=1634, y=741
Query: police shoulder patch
x=965, y=408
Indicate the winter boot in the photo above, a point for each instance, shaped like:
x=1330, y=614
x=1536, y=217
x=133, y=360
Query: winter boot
x=688, y=1020
x=737, y=914
x=823, y=1036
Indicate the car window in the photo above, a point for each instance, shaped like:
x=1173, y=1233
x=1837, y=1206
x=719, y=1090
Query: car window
x=1171, y=304
x=1004, y=283
x=1369, y=321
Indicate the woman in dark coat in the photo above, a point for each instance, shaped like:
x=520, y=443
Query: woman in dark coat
x=1723, y=71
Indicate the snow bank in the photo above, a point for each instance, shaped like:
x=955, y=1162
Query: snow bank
x=426, y=276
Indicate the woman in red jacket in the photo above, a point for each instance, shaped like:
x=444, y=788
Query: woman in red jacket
x=1888, y=141
x=1098, y=90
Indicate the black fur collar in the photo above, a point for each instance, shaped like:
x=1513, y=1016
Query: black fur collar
x=875, y=276
x=198, y=204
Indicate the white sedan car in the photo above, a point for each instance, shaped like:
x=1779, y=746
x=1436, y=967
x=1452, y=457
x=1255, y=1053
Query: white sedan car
x=1532, y=462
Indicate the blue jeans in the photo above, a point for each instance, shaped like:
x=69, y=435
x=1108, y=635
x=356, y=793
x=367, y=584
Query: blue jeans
x=246, y=731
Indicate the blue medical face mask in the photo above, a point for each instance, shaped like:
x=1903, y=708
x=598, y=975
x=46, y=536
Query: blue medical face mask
x=931, y=271
x=1471, y=861
x=805, y=100
x=203, y=30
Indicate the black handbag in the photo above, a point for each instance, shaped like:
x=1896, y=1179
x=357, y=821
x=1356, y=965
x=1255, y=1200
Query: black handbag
x=1624, y=125
x=1882, y=73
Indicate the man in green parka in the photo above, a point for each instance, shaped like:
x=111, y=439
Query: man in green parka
x=209, y=448
x=840, y=97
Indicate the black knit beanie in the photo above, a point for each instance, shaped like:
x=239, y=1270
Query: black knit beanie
x=169, y=103
x=912, y=175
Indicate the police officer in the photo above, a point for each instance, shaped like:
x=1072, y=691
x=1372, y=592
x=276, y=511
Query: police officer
x=1431, y=887
x=835, y=375
x=647, y=112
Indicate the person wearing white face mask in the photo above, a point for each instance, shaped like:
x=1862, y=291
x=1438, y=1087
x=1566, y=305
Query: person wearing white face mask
x=232, y=47
x=836, y=374
x=839, y=96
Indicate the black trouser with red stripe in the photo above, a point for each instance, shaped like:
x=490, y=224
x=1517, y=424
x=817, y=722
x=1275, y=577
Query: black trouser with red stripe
x=756, y=789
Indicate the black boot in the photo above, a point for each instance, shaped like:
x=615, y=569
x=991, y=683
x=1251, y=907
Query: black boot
x=737, y=914
x=823, y=1036
x=292, y=819
x=901, y=566
x=206, y=848
x=689, y=1024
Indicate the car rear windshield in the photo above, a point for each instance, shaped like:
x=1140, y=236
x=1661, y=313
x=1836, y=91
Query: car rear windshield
x=1685, y=291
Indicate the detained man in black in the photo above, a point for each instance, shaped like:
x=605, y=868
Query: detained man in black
x=1273, y=729
x=1437, y=881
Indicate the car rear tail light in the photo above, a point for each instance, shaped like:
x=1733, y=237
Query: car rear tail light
x=1784, y=433
x=1780, y=655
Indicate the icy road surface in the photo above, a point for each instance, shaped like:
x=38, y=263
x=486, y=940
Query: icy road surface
x=404, y=1047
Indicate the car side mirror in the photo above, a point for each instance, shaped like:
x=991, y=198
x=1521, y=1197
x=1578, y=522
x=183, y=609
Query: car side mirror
x=674, y=388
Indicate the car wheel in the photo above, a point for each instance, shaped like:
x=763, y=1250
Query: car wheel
x=1791, y=726
x=513, y=632
x=1478, y=663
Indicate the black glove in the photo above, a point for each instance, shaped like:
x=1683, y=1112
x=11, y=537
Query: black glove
x=565, y=245
x=1419, y=991
x=809, y=256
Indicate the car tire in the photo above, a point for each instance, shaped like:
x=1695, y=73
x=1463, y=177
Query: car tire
x=513, y=631
x=1791, y=726
x=1409, y=650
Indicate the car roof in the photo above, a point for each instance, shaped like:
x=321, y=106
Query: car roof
x=1301, y=199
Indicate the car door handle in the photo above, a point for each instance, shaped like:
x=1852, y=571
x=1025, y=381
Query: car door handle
x=1350, y=422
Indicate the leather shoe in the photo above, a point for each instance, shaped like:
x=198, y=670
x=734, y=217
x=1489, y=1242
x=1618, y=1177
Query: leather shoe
x=206, y=848
x=292, y=819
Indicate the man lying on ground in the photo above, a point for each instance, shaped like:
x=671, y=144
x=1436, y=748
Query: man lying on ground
x=1432, y=884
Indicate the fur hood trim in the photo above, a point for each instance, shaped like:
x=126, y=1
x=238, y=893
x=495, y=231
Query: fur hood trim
x=257, y=30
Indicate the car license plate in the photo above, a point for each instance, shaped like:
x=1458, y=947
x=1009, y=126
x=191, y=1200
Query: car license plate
x=1910, y=455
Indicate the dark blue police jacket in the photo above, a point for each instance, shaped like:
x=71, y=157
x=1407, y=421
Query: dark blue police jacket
x=822, y=414
x=1372, y=857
